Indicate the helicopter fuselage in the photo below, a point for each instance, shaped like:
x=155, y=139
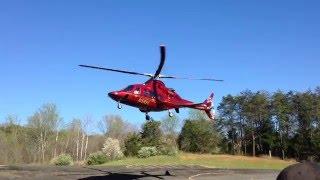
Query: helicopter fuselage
x=150, y=96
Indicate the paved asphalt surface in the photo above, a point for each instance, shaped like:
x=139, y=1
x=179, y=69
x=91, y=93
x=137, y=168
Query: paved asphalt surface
x=28, y=172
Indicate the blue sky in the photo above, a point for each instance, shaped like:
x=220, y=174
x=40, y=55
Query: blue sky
x=253, y=45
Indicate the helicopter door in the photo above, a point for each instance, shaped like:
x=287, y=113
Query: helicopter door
x=149, y=94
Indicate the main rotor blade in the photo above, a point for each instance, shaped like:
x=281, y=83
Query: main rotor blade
x=200, y=79
x=116, y=70
x=162, y=60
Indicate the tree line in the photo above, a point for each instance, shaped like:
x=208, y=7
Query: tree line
x=286, y=124
x=283, y=124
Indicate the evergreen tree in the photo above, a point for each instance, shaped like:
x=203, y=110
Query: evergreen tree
x=281, y=110
x=303, y=106
x=198, y=135
x=151, y=133
x=132, y=144
x=227, y=113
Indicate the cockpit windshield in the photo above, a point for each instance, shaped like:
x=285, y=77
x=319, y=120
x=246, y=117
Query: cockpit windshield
x=129, y=88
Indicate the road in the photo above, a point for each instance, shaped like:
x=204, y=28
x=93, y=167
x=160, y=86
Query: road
x=27, y=172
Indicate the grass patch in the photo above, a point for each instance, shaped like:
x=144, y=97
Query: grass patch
x=207, y=160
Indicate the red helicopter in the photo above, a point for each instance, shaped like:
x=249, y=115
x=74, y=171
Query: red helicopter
x=153, y=95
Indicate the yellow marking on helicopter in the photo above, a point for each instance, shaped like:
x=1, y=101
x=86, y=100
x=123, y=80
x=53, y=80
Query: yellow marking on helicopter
x=144, y=101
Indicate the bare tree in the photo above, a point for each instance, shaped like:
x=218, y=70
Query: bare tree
x=86, y=147
x=115, y=127
x=169, y=125
x=43, y=124
x=84, y=124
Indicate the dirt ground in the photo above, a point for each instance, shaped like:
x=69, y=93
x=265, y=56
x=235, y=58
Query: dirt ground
x=27, y=172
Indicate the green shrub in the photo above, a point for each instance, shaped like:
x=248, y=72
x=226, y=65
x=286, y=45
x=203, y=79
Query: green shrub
x=97, y=158
x=132, y=144
x=62, y=160
x=168, y=150
x=146, y=152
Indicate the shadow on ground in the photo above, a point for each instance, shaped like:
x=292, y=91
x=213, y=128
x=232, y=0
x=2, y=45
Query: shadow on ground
x=125, y=176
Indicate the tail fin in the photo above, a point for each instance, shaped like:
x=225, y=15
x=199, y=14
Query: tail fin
x=209, y=106
x=208, y=102
x=206, y=106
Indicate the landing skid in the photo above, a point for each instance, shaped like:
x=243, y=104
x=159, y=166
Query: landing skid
x=119, y=105
x=147, y=117
x=170, y=114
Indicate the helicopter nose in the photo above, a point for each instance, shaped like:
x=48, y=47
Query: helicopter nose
x=114, y=95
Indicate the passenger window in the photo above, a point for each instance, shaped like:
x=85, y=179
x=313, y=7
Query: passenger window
x=147, y=93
